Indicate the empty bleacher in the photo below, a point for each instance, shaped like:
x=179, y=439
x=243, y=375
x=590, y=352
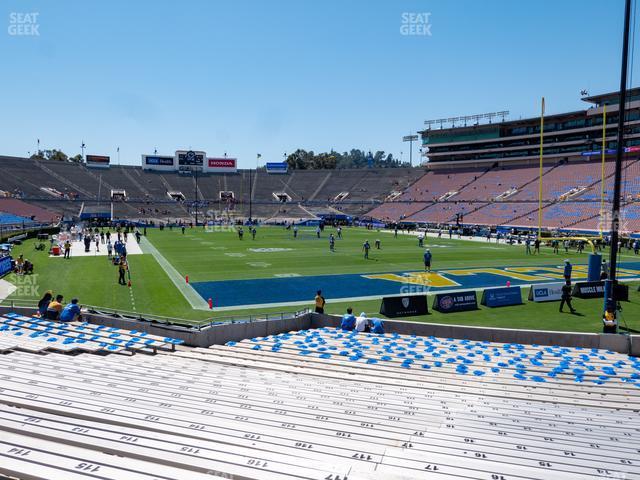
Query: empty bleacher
x=396, y=211
x=500, y=195
x=443, y=212
x=323, y=404
x=437, y=183
x=508, y=196
x=22, y=210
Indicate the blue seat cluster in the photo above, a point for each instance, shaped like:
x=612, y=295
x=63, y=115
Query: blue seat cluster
x=532, y=363
x=108, y=338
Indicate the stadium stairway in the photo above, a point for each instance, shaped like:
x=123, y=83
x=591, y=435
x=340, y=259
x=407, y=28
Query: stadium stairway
x=65, y=180
x=293, y=406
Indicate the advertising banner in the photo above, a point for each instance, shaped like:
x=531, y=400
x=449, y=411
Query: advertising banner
x=545, y=292
x=501, y=296
x=158, y=162
x=277, y=167
x=408, y=306
x=5, y=265
x=221, y=165
x=455, y=302
x=98, y=161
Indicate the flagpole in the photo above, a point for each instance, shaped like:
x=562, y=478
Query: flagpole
x=604, y=147
x=540, y=172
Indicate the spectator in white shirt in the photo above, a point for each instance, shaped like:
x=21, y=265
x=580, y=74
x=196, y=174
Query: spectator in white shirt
x=361, y=322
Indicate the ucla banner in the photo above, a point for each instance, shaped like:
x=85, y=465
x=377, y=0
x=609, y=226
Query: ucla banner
x=5, y=265
x=546, y=292
x=501, y=297
x=455, y=302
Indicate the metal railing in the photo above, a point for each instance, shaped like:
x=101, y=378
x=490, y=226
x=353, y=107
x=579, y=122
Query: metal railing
x=165, y=320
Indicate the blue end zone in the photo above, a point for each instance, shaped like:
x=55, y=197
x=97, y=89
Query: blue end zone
x=292, y=289
x=264, y=291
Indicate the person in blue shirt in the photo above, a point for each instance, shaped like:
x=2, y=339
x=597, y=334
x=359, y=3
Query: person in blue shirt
x=348, y=320
x=427, y=260
x=70, y=312
x=365, y=248
x=567, y=271
x=377, y=326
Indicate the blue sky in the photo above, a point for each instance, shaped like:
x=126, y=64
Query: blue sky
x=248, y=76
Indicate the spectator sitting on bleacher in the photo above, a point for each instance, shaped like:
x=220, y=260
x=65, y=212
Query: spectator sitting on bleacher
x=54, y=308
x=27, y=268
x=71, y=312
x=361, y=322
x=44, y=302
x=377, y=326
x=348, y=320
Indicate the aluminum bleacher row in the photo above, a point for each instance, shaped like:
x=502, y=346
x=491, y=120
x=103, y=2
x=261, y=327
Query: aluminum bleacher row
x=18, y=332
x=323, y=404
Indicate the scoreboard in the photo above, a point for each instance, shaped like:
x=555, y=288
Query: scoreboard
x=189, y=160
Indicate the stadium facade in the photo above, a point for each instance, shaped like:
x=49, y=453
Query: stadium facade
x=567, y=136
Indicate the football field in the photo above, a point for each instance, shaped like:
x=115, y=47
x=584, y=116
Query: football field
x=276, y=272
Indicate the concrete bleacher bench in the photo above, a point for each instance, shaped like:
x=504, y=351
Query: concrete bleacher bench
x=324, y=404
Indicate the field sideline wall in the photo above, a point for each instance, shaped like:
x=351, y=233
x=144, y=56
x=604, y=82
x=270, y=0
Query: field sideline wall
x=221, y=334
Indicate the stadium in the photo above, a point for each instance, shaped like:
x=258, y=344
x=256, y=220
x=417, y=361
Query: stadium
x=333, y=316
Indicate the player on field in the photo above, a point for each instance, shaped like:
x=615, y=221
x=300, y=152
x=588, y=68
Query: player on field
x=253, y=233
x=366, y=247
x=295, y=231
x=566, y=297
x=332, y=243
x=340, y=232
x=427, y=260
x=240, y=233
x=318, y=230
x=568, y=268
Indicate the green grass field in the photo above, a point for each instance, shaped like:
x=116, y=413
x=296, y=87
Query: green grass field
x=220, y=255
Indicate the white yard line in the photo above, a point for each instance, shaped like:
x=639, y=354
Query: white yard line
x=187, y=291
x=6, y=289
